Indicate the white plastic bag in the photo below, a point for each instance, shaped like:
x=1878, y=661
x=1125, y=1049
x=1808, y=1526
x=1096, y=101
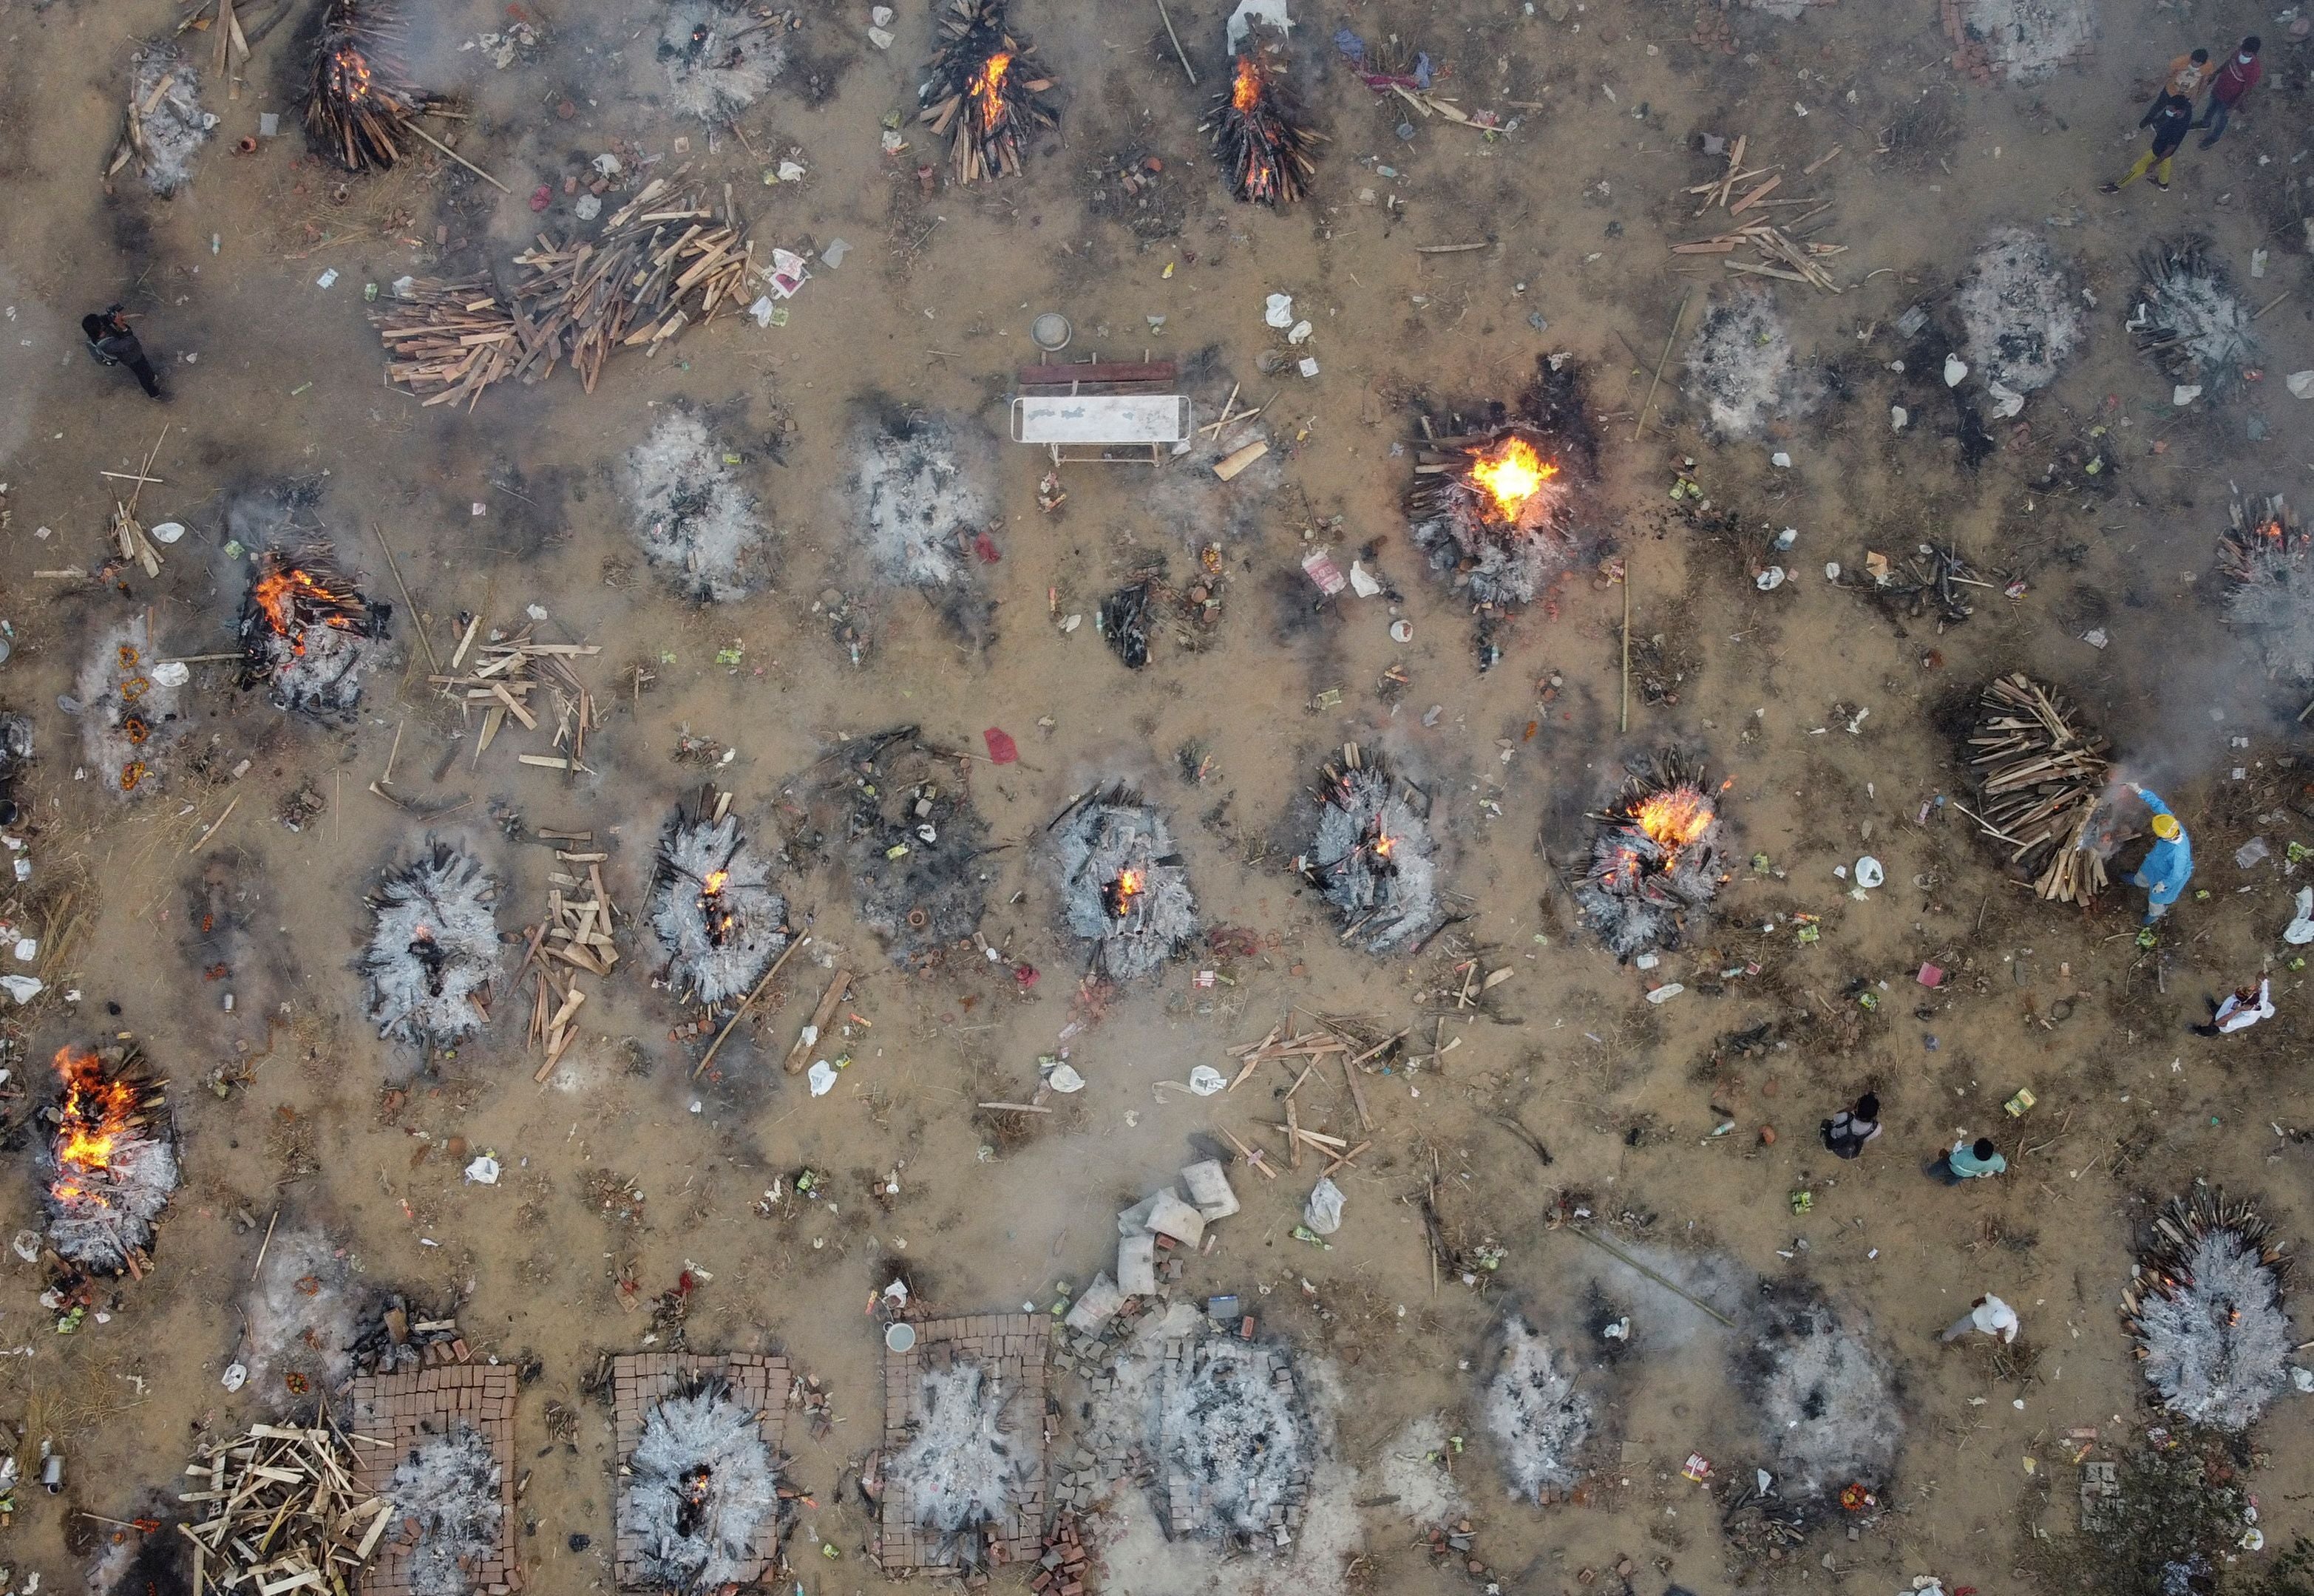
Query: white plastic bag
x=1323, y=1211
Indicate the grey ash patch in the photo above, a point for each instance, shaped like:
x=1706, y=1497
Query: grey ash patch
x=696, y=521
x=450, y=1483
x=701, y=1484
x=2021, y=312
x=963, y=1468
x=1539, y=1420
x=720, y=58
x=1742, y=369
x=713, y=906
x=913, y=842
x=1373, y=855
x=433, y=949
x=1825, y=1397
x=1235, y=1447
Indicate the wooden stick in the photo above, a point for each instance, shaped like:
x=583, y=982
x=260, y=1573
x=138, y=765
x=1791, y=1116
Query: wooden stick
x=460, y=159
x=1649, y=405
x=263, y=1245
x=1357, y=1096
x=1020, y=1107
x=806, y=1039
x=219, y=821
x=745, y=1004
x=1626, y=647
x=1179, y=53
x=416, y=619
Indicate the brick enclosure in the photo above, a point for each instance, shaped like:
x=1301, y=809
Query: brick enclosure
x=404, y=1409
x=1986, y=53
x=1014, y=1347
x=640, y=1379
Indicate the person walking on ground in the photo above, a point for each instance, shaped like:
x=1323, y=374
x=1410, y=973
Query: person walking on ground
x=2188, y=72
x=2235, y=79
x=1988, y=1314
x=2171, y=116
x=1969, y=1160
x=1846, y=1131
x=2244, y=1007
x=2169, y=863
x=113, y=343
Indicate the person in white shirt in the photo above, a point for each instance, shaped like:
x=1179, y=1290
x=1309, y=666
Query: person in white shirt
x=1989, y=1314
x=2244, y=1007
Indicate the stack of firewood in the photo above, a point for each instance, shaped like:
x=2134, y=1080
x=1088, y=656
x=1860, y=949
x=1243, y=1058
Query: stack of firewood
x=652, y=273
x=2041, y=779
x=578, y=935
x=452, y=340
x=280, y=1512
x=983, y=91
x=501, y=682
x=1781, y=256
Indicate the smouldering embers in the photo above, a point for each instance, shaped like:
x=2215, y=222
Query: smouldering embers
x=713, y=907
x=2265, y=557
x=1124, y=888
x=434, y=948
x=1657, y=857
x=308, y=632
x=1262, y=135
x=111, y=1162
x=701, y=1484
x=1373, y=855
x=361, y=97
x=1485, y=508
x=2206, y=1305
x=720, y=58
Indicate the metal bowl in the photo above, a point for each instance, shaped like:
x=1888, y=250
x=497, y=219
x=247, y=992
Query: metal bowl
x=1051, y=332
x=900, y=1336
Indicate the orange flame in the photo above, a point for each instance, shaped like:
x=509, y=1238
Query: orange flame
x=1129, y=883
x=92, y=1120
x=1512, y=475
x=1675, y=819
x=1247, y=89
x=988, y=88
x=351, y=74
x=278, y=593
x=1382, y=844
x=715, y=880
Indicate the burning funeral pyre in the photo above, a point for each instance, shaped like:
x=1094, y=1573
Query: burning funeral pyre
x=2189, y=319
x=1372, y=853
x=434, y=948
x=712, y=905
x=719, y=59
x=1234, y=1441
x=308, y=633
x=1657, y=855
x=2272, y=595
x=701, y=1483
x=1124, y=888
x=450, y=1486
x=111, y=1162
x=1482, y=508
x=361, y=101
x=983, y=91
x=2042, y=782
x=2206, y=1307
x=1261, y=135
x=913, y=842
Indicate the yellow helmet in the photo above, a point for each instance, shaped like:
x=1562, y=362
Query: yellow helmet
x=2166, y=827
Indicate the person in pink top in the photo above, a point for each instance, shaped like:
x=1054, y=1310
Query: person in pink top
x=2235, y=79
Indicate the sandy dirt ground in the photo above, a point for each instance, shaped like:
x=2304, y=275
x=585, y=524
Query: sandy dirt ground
x=1833, y=711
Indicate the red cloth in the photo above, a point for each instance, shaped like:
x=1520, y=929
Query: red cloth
x=2236, y=78
x=1002, y=748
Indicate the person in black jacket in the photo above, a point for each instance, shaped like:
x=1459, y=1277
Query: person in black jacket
x=113, y=343
x=2169, y=116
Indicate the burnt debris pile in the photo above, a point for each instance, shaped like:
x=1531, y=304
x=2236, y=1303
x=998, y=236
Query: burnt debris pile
x=433, y=949
x=696, y=521
x=719, y=58
x=702, y=1486
x=2270, y=594
x=913, y=842
x=2188, y=318
x=965, y=1468
x=2206, y=1307
x=1235, y=1447
x=1124, y=888
x=450, y=1486
x=1824, y=1396
x=1655, y=859
x=713, y=906
x=1540, y=1422
x=1373, y=854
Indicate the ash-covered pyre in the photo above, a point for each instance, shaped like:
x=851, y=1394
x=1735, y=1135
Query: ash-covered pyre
x=2265, y=558
x=1536, y=1415
x=983, y=91
x=308, y=633
x=912, y=842
x=1657, y=857
x=449, y=1486
x=434, y=948
x=966, y=1466
x=1235, y=1448
x=111, y=1162
x=1373, y=854
x=713, y=906
x=2206, y=1307
x=720, y=59
x=920, y=485
x=128, y=708
x=2019, y=311
x=1124, y=888
x=2188, y=318
x=1741, y=366
x=1824, y=1398
x=2042, y=781
x=1261, y=134
x=696, y=522
x=361, y=98
x=166, y=124
x=701, y=1483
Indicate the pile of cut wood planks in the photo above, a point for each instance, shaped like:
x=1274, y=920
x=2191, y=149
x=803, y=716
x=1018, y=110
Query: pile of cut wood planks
x=451, y=339
x=1781, y=256
x=2041, y=779
x=502, y=682
x=578, y=935
x=281, y=1513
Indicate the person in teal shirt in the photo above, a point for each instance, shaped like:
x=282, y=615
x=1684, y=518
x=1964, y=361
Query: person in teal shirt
x=2169, y=863
x=1969, y=1160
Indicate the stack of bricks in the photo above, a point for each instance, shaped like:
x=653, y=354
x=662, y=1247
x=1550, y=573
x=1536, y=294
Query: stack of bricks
x=404, y=1409
x=1065, y=1567
x=1190, y=1509
x=640, y=1380
x=1985, y=53
x=1012, y=1348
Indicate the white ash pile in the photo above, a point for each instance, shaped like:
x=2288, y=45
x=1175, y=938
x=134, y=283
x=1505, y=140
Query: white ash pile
x=1740, y=367
x=1234, y=1442
x=127, y=700
x=297, y=1316
x=1374, y=856
x=166, y=125
x=720, y=58
x=434, y=948
x=1657, y=857
x=1124, y=888
x=2206, y=1307
x=2188, y=318
x=2264, y=557
x=712, y=905
x=695, y=520
x=308, y=634
x=964, y=1469
x=2021, y=317
x=919, y=485
x=450, y=1485
x=702, y=1482
x=913, y=842
x=1825, y=1398
x=111, y=1162
x=1536, y=1415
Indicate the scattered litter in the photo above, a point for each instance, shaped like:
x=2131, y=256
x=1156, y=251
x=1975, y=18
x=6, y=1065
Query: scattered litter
x=483, y=1170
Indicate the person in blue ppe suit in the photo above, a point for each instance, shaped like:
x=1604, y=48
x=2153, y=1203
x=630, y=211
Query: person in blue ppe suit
x=2169, y=863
